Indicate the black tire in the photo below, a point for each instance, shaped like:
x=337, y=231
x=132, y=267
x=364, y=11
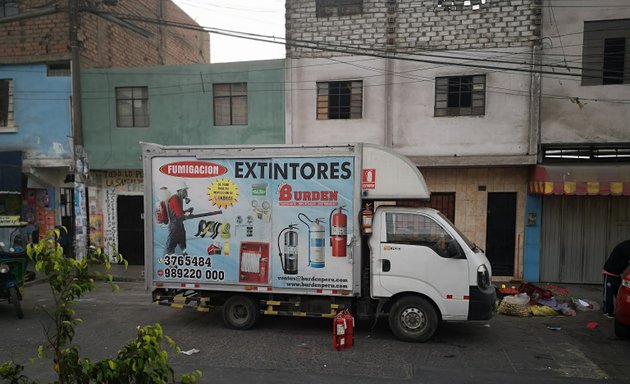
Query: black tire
x=621, y=330
x=240, y=312
x=413, y=319
x=15, y=300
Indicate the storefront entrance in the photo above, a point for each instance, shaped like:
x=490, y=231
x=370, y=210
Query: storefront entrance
x=131, y=228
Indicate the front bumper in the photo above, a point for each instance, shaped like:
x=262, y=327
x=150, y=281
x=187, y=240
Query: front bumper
x=482, y=303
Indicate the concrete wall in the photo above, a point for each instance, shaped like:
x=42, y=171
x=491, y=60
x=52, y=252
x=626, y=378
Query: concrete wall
x=180, y=108
x=602, y=118
x=407, y=114
x=41, y=114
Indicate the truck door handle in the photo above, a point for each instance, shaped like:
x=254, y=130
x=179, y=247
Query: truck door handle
x=386, y=265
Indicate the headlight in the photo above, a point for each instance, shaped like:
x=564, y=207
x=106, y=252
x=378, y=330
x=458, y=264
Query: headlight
x=625, y=283
x=4, y=268
x=483, y=277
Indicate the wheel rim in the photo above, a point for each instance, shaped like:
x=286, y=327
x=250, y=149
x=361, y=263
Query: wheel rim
x=240, y=314
x=413, y=319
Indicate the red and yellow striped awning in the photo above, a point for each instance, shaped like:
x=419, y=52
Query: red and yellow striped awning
x=612, y=180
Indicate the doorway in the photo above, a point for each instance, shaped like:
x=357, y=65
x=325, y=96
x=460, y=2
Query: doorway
x=131, y=228
x=501, y=232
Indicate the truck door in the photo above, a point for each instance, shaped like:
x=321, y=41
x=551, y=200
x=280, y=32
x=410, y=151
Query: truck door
x=414, y=253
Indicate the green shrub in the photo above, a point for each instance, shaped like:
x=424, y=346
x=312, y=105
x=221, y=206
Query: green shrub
x=143, y=360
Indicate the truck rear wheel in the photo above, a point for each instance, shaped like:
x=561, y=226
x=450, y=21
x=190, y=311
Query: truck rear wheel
x=413, y=319
x=240, y=312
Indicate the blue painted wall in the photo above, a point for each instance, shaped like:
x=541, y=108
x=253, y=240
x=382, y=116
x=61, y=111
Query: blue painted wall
x=41, y=112
x=180, y=108
x=531, y=262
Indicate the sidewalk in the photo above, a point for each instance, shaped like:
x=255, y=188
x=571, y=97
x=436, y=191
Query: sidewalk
x=118, y=272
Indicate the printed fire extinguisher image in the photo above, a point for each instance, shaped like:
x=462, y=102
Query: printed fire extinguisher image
x=338, y=223
x=254, y=263
x=290, y=261
x=316, y=238
x=366, y=219
x=343, y=331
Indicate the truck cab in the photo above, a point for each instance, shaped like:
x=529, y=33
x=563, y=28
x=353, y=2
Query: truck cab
x=424, y=270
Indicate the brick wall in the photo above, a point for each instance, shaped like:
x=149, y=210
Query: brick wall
x=38, y=36
x=103, y=42
x=407, y=25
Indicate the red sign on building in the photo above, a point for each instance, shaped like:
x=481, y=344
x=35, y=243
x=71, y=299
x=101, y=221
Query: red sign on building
x=369, y=178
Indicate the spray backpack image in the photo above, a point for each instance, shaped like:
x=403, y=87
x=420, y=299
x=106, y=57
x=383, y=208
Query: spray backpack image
x=161, y=214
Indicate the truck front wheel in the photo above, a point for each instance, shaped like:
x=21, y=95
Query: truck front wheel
x=413, y=319
x=240, y=312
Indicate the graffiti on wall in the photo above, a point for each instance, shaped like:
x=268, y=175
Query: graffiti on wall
x=110, y=228
x=124, y=180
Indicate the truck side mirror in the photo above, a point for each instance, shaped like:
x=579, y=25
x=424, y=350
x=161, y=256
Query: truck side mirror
x=452, y=250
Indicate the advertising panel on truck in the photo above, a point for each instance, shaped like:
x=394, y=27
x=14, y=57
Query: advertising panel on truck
x=278, y=222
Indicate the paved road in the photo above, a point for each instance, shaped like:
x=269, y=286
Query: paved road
x=287, y=350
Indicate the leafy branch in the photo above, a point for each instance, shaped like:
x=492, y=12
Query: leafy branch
x=143, y=360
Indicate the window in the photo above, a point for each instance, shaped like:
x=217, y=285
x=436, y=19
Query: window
x=230, y=104
x=8, y=8
x=614, y=57
x=132, y=107
x=339, y=100
x=6, y=106
x=460, y=96
x=329, y=8
x=58, y=69
x=414, y=229
x=606, y=45
x=454, y=5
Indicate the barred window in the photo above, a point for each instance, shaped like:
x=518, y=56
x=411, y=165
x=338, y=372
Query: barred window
x=460, y=96
x=606, y=46
x=132, y=107
x=339, y=100
x=6, y=106
x=8, y=8
x=230, y=104
x=330, y=8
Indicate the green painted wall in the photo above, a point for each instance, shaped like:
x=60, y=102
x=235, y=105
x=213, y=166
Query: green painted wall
x=180, y=108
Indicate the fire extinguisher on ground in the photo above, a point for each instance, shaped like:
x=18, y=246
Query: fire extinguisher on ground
x=343, y=331
x=338, y=223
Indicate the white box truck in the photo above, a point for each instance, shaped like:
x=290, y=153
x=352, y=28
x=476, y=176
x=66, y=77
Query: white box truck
x=292, y=230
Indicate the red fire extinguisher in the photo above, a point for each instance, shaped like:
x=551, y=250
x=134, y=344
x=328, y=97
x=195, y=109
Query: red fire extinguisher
x=366, y=219
x=343, y=331
x=338, y=223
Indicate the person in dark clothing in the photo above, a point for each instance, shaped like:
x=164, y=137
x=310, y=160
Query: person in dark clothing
x=176, y=216
x=616, y=263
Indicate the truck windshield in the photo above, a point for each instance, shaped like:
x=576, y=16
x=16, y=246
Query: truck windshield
x=469, y=243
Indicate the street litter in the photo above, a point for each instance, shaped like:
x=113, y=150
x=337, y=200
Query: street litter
x=532, y=300
x=586, y=305
x=516, y=305
x=549, y=327
x=592, y=325
x=190, y=351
